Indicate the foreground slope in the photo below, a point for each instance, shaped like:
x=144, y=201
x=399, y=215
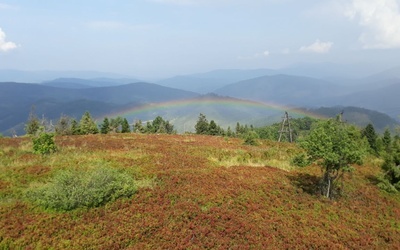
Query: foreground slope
x=207, y=192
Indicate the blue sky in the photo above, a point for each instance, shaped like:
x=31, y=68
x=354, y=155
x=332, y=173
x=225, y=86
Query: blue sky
x=159, y=38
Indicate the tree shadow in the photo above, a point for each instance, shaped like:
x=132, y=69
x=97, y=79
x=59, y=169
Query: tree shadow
x=306, y=182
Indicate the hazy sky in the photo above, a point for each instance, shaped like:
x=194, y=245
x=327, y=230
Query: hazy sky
x=168, y=37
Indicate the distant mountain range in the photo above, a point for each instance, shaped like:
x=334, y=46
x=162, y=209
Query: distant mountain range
x=181, y=99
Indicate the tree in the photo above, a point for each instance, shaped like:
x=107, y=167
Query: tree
x=63, y=126
x=75, y=127
x=125, y=128
x=87, y=125
x=33, y=124
x=334, y=146
x=116, y=124
x=213, y=128
x=138, y=127
x=387, y=140
x=369, y=133
x=105, y=126
x=202, y=126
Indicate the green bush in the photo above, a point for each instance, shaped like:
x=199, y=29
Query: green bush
x=250, y=138
x=44, y=143
x=73, y=189
x=301, y=160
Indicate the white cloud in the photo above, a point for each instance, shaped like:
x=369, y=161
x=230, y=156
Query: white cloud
x=380, y=19
x=317, y=47
x=4, y=45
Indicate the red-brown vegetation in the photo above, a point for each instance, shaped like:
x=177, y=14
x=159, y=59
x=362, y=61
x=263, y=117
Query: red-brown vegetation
x=194, y=203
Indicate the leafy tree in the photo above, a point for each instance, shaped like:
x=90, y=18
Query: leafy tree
x=202, y=126
x=369, y=133
x=33, y=124
x=125, y=128
x=87, y=125
x=335, y=146
x=105, y=126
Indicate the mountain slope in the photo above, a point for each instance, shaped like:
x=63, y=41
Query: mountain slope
x=209, y=81
x=18, y=98
x=282, y=89
x=385, y=99
x=78, y=83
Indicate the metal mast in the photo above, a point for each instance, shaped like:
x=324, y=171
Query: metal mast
x=285, y=128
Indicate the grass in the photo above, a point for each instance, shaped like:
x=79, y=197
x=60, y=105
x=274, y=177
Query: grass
x=193, y=192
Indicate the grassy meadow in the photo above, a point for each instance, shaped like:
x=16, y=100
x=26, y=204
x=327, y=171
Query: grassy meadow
x=192, y=192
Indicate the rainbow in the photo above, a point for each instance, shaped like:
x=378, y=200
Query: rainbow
x=137, y=111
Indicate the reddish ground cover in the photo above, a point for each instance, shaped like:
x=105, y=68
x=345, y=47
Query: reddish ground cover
x=195, y=204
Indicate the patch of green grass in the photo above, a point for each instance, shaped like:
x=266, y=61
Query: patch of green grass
x=70, y=189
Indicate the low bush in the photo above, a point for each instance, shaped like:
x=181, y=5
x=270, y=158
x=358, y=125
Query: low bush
x=71, y=189
x=301, y=160
x=250, y=138
x=44, y=144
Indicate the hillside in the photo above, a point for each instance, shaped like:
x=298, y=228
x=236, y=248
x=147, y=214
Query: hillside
x=282, y=89
x=359, y=116
x=195, y=192
x=78, y=83
x=17, y=100
x=384, y=99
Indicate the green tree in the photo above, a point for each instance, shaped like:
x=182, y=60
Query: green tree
x=33, y=124
x=369, y=133
x=87, y=124
x=335, y=146
x=202, y=126
x=105, y=126
x=250, y=138
x=213, y=128
x=75, y=127
x=125, y=128
x=138, y=127
x=116, y=124
x=387, y=140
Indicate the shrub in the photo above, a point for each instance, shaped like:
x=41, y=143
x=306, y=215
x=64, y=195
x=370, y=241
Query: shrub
x=250, y=138
x=44, y=143
x=301, y=160
x=73, y=189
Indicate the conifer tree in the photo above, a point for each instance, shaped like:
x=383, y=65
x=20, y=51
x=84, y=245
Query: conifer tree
x=75, y=127
x=370, y=134
x=125, y=126
x=105, y=126
x=202, y=126
x=387, y=140
x=87, y=125
x=33, y=124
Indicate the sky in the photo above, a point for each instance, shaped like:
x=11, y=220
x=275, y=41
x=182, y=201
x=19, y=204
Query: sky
x=160, y=38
